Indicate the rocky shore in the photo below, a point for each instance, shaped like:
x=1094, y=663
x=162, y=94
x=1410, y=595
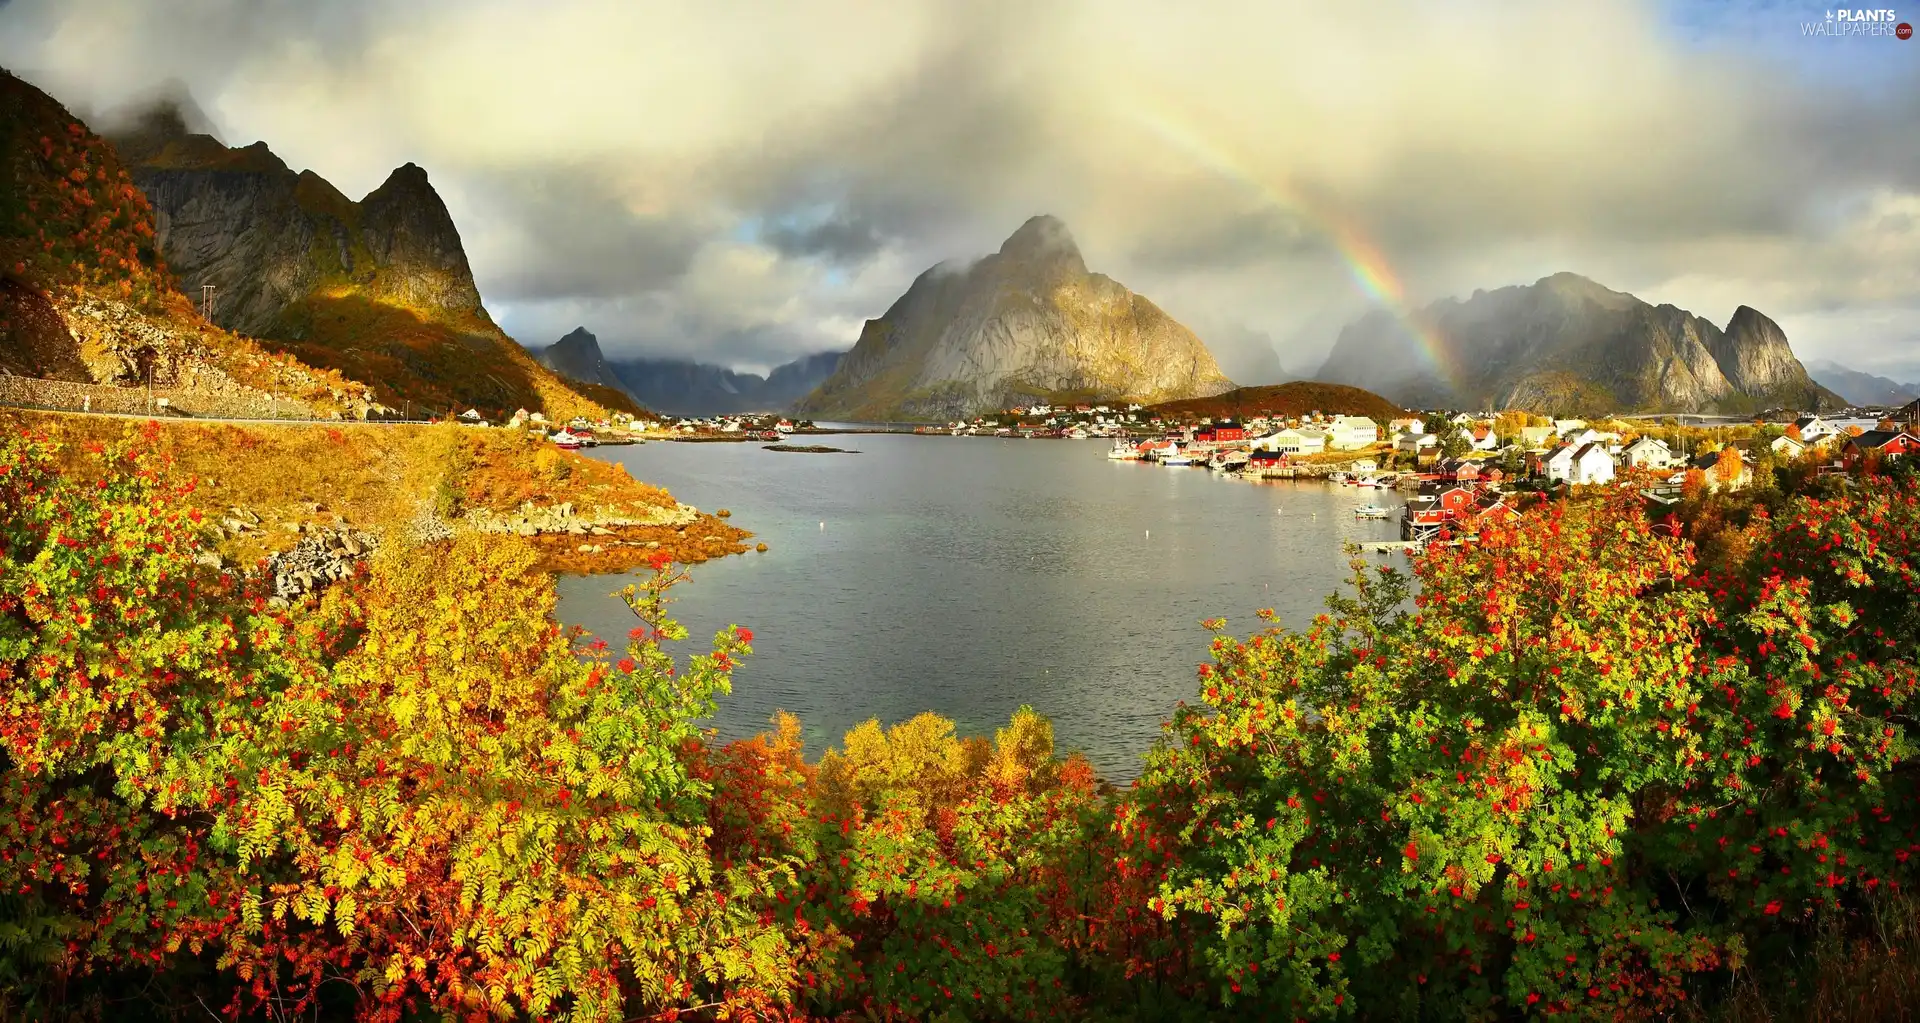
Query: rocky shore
x=321, y=557
x=568, y=539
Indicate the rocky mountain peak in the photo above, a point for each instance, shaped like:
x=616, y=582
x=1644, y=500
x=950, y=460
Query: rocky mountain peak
x=412, y=238
x=1754, y=354
x=578, y=355
x=1567, y=343
x=1043, y=240
x=1028, y=322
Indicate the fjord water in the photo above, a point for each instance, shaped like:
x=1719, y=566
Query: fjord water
x=968, y=576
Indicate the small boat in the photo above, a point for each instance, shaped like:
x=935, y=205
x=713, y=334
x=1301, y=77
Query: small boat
x=568, y=440
x=1123, y=452
x=1372, y=482
x=1372, y=511
x=1176, y=458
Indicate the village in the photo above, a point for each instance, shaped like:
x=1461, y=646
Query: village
x=1457, y=470
x=1462, y=470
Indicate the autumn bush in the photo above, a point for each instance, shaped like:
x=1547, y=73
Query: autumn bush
x=1579, y=768
x=1580, y=773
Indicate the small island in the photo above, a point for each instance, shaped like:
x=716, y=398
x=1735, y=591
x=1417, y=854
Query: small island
x=809, y=449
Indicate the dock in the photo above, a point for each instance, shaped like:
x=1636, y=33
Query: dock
x=1394, y=545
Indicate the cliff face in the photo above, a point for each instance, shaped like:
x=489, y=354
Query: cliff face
x=379, y=289
x=87, y=299
x=1026, y=323
x=1567, y=344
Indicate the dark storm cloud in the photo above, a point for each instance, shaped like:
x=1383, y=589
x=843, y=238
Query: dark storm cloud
x=842, y=241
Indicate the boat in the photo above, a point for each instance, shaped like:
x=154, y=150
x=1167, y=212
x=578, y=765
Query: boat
x=569, y=440
x=1372, y=511
x=1176, y=457
x=1372, y=482
x=1121, y=451
x=1337, y=477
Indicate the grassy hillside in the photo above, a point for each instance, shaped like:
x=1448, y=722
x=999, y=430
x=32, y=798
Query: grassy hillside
x=1292, y=399
x=432, y=362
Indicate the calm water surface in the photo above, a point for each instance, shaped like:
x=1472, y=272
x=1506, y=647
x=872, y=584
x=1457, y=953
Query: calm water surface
x=968, y=576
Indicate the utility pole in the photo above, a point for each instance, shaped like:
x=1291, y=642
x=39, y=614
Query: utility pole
x=206, y=302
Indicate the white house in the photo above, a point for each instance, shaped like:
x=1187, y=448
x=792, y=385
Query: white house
x=1480, y=436
x=1291, y=441
x=1566, y=426
x=1400, y=426
x=1787, y=447
x=1648, y=453
x=1348, y=432
x=1414, y=443
x=1580, y=464
x=1815, y=431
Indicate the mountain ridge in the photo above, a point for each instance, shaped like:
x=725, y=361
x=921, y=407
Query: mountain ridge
x=689, y=387
x=685, y=386
x=87, y=297
x=1861, y=388
x=1567, y=343
x=1026, y=322
x=379, y=289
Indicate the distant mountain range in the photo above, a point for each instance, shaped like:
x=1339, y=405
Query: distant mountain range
x=1567, y=344
x=684, y=387
x=1026, y=323
x=379, y=289
x=1861, y=388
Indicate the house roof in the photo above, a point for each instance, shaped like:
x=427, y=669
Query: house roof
x=1873, y=440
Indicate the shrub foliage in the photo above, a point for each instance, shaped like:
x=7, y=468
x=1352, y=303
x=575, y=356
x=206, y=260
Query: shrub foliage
x=1571, y=769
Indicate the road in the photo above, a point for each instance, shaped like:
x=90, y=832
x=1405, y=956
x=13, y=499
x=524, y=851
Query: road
x=181, y=418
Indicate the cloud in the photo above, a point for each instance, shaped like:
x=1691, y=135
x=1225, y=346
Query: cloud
x=744, y=182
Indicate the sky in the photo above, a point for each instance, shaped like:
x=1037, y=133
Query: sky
x=744, y=183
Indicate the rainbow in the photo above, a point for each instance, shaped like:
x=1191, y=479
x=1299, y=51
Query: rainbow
x=1364, y=261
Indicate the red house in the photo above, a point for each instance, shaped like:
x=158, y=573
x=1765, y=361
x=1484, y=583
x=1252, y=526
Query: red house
x=1887, y=443
x=1221, y=433
x=1440, y=507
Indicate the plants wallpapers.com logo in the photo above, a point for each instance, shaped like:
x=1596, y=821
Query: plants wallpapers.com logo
x=1857, y=23
x=1853, y=23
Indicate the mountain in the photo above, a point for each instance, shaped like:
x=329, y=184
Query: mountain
x=1297, y=398
x=1568, y=344
x=86, y=296
x=577, y=356
x=1026, y=323
x=691, y=388
x=1861, y=388
x=379, y=288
